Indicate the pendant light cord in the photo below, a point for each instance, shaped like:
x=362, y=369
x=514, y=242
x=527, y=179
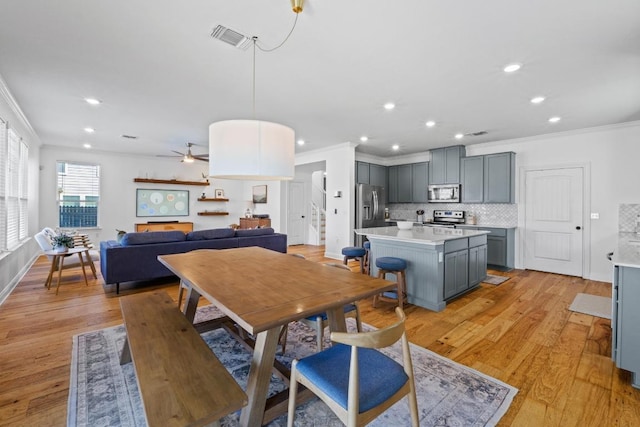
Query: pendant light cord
x=283, y=41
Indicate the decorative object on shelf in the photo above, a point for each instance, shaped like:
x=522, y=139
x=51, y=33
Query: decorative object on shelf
x=62, y=242
x=162, y=202
x=169, y=181
x=268, y=149
x=259, y=194
x=204, y=196
x=219, y=193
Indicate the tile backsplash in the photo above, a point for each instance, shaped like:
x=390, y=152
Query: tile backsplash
x=627, y=215
x=505, y=215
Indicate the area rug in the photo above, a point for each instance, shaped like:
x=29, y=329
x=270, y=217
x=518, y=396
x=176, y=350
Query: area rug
x=104, y=393
x=495, y=280
x=593, y=305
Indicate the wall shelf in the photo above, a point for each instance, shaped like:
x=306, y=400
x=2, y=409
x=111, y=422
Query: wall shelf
x=208, y=199
x=170, y=181
x=213, y=213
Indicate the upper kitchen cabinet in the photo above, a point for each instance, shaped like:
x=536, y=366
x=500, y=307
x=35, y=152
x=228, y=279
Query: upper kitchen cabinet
x=420, y=181
x=499, y=178
x=471, y=179
x=445, y=165
x=369, y=173
x=408, y=183
x=489, y=178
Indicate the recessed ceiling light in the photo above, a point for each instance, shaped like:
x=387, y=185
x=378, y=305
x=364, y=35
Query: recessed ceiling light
x=395, y=147
x=86, y=145
x=555, y=119
x=389, y=106
x=301, y=142
x=89, y=130
x=459, y=136
x=430, y=124
x=512, y=68
x=537, y=99
x=93, y=101
x=364, y=138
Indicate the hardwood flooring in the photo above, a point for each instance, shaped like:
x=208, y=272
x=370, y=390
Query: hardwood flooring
x=520, y=332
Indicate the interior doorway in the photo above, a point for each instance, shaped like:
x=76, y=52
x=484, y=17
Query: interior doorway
x=554, y=233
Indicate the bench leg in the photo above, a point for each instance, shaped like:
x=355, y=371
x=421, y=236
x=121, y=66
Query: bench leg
x=125, y=356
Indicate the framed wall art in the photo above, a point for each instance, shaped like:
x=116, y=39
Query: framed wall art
x=219, y=193
x=259, y=194
x=162, y=202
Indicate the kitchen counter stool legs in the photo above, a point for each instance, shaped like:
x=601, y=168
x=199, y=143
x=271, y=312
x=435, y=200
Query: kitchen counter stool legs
x=397, y=266
x=354, y=252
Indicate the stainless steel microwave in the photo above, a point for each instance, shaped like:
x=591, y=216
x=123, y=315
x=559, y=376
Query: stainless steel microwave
x=444, y=193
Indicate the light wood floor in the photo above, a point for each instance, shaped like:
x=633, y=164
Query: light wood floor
x=520, y=332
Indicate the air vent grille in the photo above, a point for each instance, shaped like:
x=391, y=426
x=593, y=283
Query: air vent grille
x=129, y=136
x=480, y=133
x=231, y=37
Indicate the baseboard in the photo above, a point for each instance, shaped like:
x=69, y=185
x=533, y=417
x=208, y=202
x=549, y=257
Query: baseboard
x=14, y=282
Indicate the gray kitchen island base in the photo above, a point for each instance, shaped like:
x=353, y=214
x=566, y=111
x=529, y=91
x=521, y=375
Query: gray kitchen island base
x=441, y=263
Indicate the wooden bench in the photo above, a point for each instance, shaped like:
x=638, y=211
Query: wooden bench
x=181, y=381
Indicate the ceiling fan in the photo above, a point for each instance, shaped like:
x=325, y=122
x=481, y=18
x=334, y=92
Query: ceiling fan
x=188, y=157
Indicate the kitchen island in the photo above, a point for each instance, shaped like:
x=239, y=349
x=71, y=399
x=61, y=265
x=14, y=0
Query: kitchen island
x=442, y=263
x=625, y=316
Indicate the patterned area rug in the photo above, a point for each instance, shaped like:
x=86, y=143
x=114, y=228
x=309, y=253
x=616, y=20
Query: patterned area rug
x=103, y=393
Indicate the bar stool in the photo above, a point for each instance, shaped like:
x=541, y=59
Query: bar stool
x=354, y=252
x=395, y=266
x=367, y=257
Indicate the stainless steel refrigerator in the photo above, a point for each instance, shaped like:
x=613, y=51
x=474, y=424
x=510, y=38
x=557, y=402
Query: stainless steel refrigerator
x=370, y=203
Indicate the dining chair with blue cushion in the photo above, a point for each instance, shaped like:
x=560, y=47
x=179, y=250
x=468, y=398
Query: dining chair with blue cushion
x=354, y=379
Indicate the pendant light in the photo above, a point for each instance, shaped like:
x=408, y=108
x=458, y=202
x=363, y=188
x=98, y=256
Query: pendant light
x=253, y=149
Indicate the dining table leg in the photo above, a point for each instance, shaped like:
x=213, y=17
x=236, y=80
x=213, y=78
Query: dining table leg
x=337, y=322
x=264, y=354
x=191, y=303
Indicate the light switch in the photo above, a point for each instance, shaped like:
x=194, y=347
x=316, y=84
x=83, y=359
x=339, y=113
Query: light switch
x=595, y=215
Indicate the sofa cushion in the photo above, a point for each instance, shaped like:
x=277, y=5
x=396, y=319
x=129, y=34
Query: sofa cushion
x=254, y=232
x=214, y=233
x=150, y=237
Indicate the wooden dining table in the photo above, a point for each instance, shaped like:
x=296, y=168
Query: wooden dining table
x=262, y=291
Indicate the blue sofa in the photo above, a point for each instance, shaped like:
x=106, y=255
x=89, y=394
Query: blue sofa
x=135, y=257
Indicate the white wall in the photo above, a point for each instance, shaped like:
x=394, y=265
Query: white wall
x=340, y=161
x=118, y=191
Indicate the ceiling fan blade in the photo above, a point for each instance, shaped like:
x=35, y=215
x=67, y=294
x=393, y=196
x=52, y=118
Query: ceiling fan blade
x=204, y=159
x=168, y=155
x=177, y=152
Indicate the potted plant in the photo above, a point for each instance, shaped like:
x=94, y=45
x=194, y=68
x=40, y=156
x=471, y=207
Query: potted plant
x=62, y=242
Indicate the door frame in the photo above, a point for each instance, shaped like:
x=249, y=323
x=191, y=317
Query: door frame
x=586, y=210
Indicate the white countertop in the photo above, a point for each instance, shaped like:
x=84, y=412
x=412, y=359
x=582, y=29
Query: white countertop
x=486, y=226
x=418, y=234
x=627, y=254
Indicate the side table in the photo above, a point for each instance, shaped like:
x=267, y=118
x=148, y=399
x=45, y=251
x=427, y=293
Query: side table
x=57, y=261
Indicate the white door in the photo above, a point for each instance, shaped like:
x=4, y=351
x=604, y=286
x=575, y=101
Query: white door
x=553, y=220
x=295, y=229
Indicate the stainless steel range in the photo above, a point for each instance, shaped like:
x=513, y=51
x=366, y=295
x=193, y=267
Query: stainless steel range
x=446, y=218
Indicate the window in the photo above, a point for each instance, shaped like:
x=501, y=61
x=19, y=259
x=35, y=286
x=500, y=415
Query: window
x=78, y=194
x=14, y=160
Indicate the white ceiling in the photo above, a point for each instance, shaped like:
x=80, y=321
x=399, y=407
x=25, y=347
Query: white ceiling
x=161, y=76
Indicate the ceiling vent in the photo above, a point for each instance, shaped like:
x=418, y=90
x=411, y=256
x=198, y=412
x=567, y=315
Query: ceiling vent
x=482, y=132
x=129, y=136
x=231, y=37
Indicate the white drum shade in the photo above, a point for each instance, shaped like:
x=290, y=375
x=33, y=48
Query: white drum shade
x=251, y=150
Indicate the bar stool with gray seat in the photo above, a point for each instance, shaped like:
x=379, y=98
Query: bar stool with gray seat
x=354, y=252
x=392, y=265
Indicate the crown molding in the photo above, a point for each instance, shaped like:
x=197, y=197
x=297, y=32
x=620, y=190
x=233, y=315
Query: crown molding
x=5, y=93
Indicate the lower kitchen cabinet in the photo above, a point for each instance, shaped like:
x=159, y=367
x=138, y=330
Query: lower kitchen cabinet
x=465, y=264
x=500, y=246
x=625, y=318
